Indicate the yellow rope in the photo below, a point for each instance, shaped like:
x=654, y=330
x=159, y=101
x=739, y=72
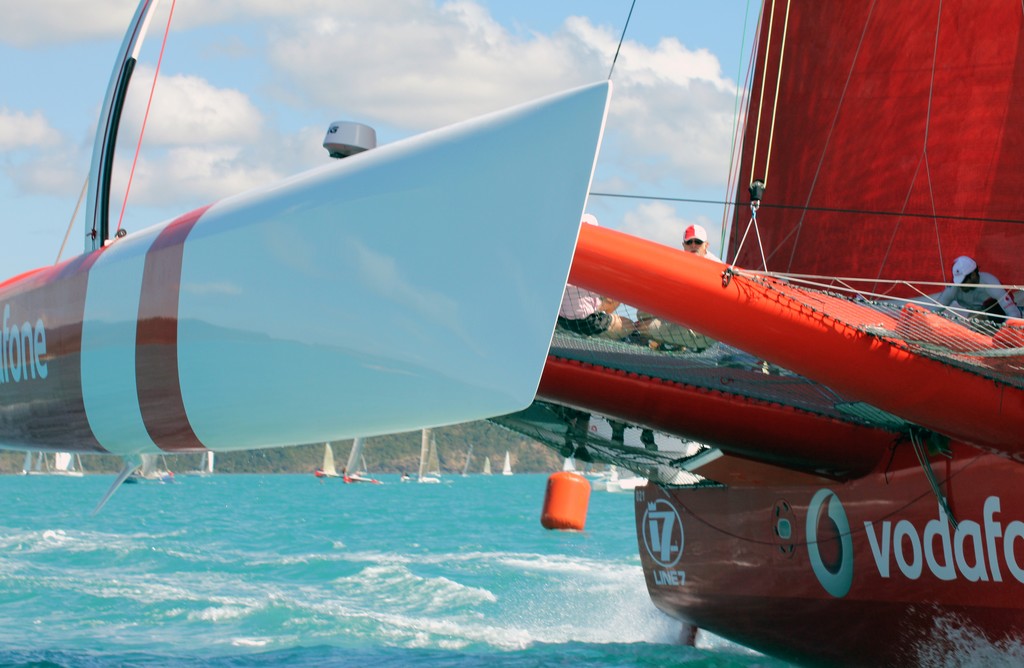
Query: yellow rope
x=775, y=104
x=760, y=102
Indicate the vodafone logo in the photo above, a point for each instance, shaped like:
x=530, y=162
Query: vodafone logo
x=829, y=544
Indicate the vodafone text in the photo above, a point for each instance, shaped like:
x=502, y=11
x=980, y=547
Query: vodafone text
x=976, y=552
x=22, y=350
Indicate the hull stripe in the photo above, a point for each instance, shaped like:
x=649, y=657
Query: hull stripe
x=156, y=354
x=109, y=325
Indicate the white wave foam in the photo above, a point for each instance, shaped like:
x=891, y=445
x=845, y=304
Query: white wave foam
x=396, y=585
x=957, y=644
x=250, y=642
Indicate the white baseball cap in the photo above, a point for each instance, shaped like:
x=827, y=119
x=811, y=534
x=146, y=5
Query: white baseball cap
x=962, y=266
x=695, y=232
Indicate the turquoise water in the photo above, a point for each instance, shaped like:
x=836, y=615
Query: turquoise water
x=286, y=570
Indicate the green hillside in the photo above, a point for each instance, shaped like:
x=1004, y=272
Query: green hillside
x=394, y=453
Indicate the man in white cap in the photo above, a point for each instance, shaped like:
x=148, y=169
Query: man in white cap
x=695, y=240
x=668, y=335
x=977, y=291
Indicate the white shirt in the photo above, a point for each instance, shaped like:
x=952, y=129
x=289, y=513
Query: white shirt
x=975, y=299
x=578, y=303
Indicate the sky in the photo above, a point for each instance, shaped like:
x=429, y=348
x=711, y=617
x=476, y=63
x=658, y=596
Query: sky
x=247, y=89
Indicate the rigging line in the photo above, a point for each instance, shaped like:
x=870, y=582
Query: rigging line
x=621, y=38
x=760, y=102
x=819, y=209
x=929, y=474
x=906, y=200
x=927, y=128
x=145, y=117
x=775, y=101
x=832, y=128
x=923, y=160
x=81, y=196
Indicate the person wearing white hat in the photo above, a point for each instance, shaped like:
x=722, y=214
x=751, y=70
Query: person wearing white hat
x=977, y=291
x=695, y=240
x=588, y=313
x=668, y=335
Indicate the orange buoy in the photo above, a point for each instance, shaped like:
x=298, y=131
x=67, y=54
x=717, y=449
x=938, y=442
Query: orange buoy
x=565, y=502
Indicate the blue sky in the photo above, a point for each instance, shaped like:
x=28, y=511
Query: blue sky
x=248, y=87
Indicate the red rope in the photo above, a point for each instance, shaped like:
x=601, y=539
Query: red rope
x=142, y=130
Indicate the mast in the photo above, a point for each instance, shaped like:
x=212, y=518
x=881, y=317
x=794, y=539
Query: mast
x=97, y=211
x=433, y=463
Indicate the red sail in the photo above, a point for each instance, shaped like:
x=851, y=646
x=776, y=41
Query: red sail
x=897, y=139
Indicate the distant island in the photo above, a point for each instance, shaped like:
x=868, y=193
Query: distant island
x=394, y=453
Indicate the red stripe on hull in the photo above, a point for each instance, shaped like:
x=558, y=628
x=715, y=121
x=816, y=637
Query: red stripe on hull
x=877, y=577
x=740, y=426
x=156, y=353
x=38, y=412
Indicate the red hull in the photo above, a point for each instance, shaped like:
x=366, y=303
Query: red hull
x=899, y=574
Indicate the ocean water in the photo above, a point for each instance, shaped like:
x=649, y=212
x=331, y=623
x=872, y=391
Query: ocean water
x=267, y=570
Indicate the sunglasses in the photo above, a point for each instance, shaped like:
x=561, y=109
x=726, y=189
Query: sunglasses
x=693, y=242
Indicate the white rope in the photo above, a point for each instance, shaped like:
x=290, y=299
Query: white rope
x=71, y=222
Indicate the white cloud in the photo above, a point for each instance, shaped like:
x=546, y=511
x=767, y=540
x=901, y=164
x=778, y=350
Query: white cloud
x=409, y=65
x=671, y=114
x=661, y=222
x=192, y=175
x=188, y=110
x=28, y=24
x=424, y=68
x=21, y=130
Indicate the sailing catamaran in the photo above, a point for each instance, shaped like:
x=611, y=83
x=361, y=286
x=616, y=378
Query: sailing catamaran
x=857, y=497
x=859, y=482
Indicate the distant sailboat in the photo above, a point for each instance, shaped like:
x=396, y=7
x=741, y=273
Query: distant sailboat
x=569, y=465
x=153, y=469
x=355, y=459
x=205, y=465
x=487, y=466
x=612, y=482
x=506, y=468
x=429, y=470
x=327, y=469
x=64, y=463
x=469, y=458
